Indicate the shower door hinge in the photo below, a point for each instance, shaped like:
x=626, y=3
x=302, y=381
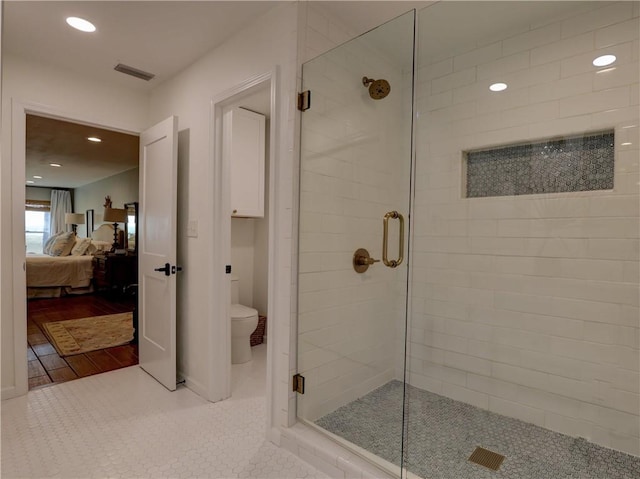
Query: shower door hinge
x=298, y=383
x=304, y=100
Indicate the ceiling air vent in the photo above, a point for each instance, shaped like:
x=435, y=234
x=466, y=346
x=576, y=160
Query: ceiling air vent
x=133, y=72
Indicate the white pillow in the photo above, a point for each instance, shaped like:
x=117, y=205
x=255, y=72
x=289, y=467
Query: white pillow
x=47, y=246
x=80, y=247
x=63, y=244
x=99, y=246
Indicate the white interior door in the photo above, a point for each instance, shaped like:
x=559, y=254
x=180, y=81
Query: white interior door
x=157, y=251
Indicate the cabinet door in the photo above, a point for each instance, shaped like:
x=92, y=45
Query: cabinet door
x=247, y=161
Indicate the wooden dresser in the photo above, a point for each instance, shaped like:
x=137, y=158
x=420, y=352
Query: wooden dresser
x=114, y=272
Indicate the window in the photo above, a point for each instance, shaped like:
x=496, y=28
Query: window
x=36, y=224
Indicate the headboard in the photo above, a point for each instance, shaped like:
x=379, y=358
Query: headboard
x=104, y=232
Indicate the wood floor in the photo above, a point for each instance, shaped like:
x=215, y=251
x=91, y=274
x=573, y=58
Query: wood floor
x=46, y=366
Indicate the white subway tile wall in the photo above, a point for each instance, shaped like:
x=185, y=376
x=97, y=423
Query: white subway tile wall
x=440, y=324
x=528, y=306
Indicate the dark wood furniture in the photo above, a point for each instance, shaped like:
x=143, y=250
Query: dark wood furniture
x=114, y=272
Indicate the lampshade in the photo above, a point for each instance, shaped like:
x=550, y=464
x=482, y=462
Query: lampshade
x=114, y=215
x=73, y=219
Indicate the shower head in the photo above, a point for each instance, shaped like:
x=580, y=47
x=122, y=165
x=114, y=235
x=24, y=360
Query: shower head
x=378, y=89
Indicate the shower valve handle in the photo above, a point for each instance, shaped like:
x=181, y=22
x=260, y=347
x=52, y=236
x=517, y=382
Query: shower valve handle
x=362, y=260
x=368, y=261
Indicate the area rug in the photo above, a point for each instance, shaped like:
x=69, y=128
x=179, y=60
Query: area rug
x=77, y=336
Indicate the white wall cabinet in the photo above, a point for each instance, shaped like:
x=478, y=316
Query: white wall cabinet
x=245, y=140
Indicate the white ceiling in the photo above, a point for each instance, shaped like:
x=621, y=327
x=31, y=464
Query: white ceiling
x=164, y=37
x=160, y=37
x=83, y=162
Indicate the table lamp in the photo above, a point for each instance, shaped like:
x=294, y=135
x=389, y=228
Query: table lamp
x=115, y=216
x=74, y=219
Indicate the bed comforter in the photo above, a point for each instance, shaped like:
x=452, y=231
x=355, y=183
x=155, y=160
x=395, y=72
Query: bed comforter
x=49, y=271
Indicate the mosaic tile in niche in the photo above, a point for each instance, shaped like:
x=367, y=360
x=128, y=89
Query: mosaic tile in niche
x=570, y=164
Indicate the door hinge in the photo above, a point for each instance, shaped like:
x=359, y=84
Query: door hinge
x=298, y=383
x=304, y=100
x=227, y=269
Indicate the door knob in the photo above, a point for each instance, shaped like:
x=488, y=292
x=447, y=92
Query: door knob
x=166, y=269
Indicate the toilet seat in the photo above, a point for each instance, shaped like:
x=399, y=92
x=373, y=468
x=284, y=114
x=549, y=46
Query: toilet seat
x=240, y=311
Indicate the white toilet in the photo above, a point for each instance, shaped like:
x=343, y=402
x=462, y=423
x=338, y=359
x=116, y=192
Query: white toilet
x=244, y=321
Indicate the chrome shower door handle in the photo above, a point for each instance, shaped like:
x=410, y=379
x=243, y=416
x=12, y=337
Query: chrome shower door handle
x=385, y=239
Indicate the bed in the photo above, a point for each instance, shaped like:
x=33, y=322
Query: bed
x=54, y=276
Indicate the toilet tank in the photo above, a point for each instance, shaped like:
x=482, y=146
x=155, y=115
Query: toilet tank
x=235, y=290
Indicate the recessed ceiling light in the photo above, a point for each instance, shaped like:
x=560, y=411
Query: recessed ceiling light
x=37, y=177
x=81, y=24
x=498, y=87
x=57, y=165
x=95, y=139
x=604, y=60
x=30, y=182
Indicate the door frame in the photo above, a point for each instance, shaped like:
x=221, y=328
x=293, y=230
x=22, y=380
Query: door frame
x=18, y=293
x=220, y=332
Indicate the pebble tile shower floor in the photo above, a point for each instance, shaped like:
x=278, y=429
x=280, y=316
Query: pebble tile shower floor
x=442, y=434
x=123, y=424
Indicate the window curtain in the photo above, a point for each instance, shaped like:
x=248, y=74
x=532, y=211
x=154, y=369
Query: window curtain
x=60, y=204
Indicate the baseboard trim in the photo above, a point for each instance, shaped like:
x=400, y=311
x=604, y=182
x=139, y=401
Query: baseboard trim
x=8, y=393
x=194, y=386
x=274, y=435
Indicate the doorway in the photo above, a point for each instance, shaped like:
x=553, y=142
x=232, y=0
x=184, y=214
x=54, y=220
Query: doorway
x=74, y=299
x=76, y=296
x=246, y=251
x=249, y=241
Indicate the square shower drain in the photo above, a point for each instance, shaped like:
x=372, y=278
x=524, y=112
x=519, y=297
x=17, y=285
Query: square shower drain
x=487, y=458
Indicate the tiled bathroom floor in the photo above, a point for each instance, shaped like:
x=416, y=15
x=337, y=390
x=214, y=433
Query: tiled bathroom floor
x=442, y=434
x=123, y=424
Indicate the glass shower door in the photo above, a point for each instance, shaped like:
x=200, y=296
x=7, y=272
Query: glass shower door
x=355, y=190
